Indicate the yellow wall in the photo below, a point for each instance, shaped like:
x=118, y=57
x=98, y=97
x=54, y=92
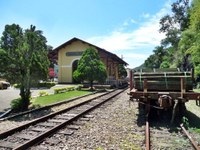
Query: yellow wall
x=65, y=62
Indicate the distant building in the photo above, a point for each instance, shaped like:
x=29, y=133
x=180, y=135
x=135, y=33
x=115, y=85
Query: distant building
x=69, y=53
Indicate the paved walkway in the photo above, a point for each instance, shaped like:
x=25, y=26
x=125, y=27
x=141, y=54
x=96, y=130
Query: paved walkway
x=6, y=96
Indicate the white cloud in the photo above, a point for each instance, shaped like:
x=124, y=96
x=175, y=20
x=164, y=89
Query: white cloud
x=129, y=22
x=146, y=15
x=147, y=35
x=133, y=21
x=134, y=56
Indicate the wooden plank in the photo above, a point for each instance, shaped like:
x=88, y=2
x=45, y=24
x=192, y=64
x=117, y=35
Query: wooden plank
x=162, y=78
x=158, y=70
x=57, y=120
x=25, y=136
x=155, y=94
x=47, y=124
x=70, y=115
x=64, y=117
x=73, y=127
x=166, y=70
x=162, y=74
x=164, y=85
x=39, y=129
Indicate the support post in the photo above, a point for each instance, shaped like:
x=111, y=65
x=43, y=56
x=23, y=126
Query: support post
x=147, y=98
x=174, y=111
x=131, y=80
x=182, y=87
x=145, y=86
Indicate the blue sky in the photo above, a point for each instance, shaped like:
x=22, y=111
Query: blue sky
x=128, y=28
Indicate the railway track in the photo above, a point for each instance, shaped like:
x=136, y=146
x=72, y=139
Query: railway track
x=35, y=131
x=25, y=114
x=162, y=138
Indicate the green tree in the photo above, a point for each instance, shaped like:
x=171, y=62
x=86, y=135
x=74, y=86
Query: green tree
x=23, y=58
x=190, y=39
x=90, y=68
x=151, y=62
x=173, y=25
x=155, y=60
x=168, y=53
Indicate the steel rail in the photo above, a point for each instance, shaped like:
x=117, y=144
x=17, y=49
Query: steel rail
x=194, y=144
x=147, y=132
x=51, y=131
x=147, y=136
x=42, y=119
x=45, y=107
x=60, y=126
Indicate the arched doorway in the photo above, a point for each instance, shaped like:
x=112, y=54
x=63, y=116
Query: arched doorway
x=74, y=67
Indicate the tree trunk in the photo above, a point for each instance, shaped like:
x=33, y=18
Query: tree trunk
x=91, y=86
x=25, y=95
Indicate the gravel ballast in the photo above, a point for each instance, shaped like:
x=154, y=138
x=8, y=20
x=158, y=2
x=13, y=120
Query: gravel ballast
x=114, y=125
x=111, y=128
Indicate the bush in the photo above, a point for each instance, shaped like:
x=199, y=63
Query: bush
x=34, y=106
x=78, y=88
x=16, y=85
x=198, y=85
x=43, y=93
x=71, y=88
x=16, y=104
x=59, y=90
x=46, y=84
x=62, y=90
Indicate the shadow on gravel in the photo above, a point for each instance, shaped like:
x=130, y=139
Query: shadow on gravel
x=31, y=116
x=194, y=121
x=159, y=120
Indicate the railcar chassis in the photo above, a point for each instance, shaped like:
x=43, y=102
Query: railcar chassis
x=174, y=100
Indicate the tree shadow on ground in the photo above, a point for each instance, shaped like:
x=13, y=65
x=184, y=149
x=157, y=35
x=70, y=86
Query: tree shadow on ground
x=163, y=120
x=31, y=116
x=194, y=120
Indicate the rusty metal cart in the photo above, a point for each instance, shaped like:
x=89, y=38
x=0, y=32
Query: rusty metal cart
x=163, y=89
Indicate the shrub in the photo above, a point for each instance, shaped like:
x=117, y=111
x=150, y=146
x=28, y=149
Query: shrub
x=59, y=90
x=198, y=85
x=78, y=88
x=43, y=93
x=62, y=90
x=71, y=88
x=34, y=106
x=16, y=104
x=46, y=84
x=16, y=85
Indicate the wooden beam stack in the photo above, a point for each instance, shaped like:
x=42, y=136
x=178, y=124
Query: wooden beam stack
x=162, y=80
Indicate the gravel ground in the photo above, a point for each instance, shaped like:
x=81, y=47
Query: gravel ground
x=9, y=124
x=114, y=126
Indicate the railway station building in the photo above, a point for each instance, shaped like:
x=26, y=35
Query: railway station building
x=70, y=52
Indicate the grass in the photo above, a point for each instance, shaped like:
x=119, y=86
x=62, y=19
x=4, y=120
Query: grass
x=50, y=99
x=193, y=113
x=197, y=90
